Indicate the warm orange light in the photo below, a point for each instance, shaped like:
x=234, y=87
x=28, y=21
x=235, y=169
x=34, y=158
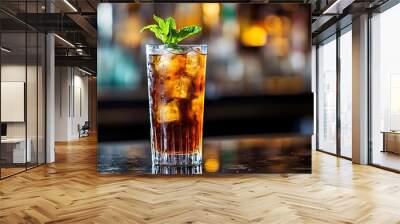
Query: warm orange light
x=211, y=13
x=188, y=14
x=127, y=33
x=273, y=24
x=281, y=45
x=211, y=165
x=286, y=25
x=277, y=25
x=254, y=36
x=211, y=9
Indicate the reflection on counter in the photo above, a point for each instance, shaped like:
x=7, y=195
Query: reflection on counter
x=261, y=154
x=177, y=170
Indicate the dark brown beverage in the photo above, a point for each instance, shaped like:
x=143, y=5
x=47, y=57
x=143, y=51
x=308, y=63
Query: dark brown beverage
x=176, y=81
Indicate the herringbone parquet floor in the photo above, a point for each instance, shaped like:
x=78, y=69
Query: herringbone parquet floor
x=71, y=191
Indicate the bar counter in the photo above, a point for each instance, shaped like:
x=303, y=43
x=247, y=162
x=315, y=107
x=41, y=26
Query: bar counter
x=221, y=156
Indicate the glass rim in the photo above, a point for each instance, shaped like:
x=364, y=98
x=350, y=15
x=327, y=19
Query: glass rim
x=184, y=48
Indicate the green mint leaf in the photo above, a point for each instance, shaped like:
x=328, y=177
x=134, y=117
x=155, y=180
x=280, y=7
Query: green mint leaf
x=187, y=32
x=157, y=32
x=166, y=27
x=148, y=27
x=172, y=23
x=159, y=20
x=172, y=37
x=166, y=31
x=171, y=29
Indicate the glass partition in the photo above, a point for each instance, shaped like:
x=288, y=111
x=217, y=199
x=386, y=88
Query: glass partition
x=14, y=143
x=327, y=96
x=32, y=85
x=22, y=88
x=346, y=93
x=385, y=89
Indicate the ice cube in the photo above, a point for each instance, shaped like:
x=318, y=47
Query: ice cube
x=178, y=87
x=170, y=64
x=168, y=112
x=197, y=106
x=198, y=83
x=193, y=63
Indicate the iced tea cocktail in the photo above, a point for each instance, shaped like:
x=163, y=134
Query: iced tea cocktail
x=176, y=83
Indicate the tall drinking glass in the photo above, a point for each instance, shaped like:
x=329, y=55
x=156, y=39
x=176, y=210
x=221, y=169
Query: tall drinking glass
x=176, y=83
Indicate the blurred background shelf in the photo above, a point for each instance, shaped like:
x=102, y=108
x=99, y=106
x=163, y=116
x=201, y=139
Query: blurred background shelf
x=223, y=116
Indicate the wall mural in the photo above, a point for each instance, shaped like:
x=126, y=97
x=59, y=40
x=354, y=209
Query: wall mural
x=204, y=88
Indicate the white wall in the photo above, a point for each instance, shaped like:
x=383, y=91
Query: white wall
x=62, y=81
x=71, y=93
x=80, y=110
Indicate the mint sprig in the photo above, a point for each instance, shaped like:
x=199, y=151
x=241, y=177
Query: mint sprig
x=165, y=30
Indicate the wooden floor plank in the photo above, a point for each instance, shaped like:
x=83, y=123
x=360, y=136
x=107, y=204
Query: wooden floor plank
x=71, y=191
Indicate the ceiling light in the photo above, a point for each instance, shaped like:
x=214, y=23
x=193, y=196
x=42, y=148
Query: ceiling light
x=337, y=7
x=65, y=41
x=5, y=50
x=70, y=5
x=79, y=51
x=84, y=71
